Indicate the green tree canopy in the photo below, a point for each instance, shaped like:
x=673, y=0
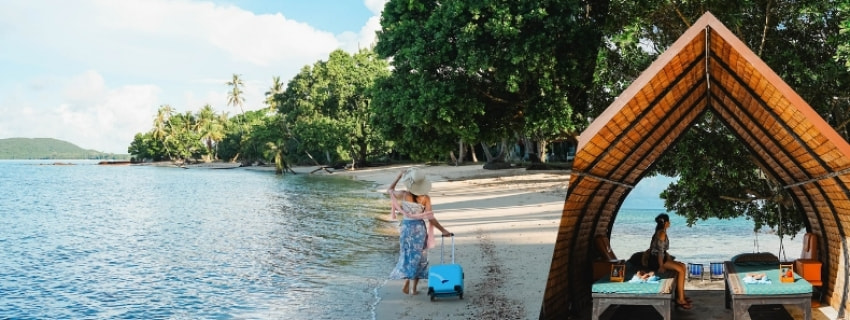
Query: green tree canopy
x=327, y=107
x=485, y=70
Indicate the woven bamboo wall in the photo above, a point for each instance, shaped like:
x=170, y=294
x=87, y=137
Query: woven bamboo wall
x=792, y=142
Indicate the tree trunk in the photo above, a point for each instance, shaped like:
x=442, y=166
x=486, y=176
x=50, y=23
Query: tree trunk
x=460, y=154
x=362, y=150
x=529, y=150
x=541, y=148
x=497, y=162
x=472, y=153
x=503, y=151
x=487, y=153
x=452, y=157
x=311, y=158
x=278, y=163
x=211, y=154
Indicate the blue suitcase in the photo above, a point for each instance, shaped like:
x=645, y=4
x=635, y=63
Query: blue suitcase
x=445, y=280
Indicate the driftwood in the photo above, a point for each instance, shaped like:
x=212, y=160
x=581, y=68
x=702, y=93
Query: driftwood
x=322, y=168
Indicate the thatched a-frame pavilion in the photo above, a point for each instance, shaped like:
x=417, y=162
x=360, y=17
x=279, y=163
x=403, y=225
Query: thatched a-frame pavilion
x=707, y=69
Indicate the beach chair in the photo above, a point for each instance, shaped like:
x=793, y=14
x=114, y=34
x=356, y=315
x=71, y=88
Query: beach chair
x=695, y=271
x=716, y=271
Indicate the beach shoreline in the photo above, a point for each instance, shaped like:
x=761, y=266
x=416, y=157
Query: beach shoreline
x=506, y=223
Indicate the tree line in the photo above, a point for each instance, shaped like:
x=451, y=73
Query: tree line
x=458, y=80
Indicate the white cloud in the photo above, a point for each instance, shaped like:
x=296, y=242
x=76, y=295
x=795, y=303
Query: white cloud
x=264, y=40
x=85, y=87
x=376, y=6
x=99, y=118
x=93, y=72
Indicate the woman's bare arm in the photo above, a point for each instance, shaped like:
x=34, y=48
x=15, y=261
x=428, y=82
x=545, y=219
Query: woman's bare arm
x=427, y=204
x=391, y=189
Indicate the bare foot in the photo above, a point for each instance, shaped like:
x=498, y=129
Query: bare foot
x=406, y=287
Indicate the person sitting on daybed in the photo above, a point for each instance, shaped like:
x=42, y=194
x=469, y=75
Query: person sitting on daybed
x=657, y=259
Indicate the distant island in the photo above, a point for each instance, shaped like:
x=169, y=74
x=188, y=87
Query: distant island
x=48, y=148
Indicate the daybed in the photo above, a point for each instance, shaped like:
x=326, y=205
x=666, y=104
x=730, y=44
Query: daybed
x=740, y=296
x=657, y=294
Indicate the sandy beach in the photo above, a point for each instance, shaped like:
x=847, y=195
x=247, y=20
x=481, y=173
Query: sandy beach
x=505, y=222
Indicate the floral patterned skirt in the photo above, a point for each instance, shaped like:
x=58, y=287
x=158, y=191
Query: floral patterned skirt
x=413, y=257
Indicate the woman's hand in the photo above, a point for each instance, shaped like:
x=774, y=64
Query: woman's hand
x=446, y=233
x=391, y=188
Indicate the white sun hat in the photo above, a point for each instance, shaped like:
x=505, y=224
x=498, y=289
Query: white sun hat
x=416, y=182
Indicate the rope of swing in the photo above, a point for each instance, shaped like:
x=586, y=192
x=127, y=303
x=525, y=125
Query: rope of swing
x=781, y=252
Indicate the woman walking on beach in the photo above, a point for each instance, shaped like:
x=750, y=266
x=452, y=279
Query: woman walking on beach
x=414, y=238
x=658, y=259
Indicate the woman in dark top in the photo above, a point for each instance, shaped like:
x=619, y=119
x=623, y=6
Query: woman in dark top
x=657, y=259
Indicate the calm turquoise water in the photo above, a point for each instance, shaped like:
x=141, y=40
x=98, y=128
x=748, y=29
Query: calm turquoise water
x=707, y=241
x=88, y=241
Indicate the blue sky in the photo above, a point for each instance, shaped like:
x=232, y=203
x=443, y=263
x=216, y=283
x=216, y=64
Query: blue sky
x=94, y=72
x=645, y=194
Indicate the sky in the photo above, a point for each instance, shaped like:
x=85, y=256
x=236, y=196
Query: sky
x=645, y=193
x=94, y=72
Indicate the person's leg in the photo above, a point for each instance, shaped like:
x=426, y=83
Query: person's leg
x=680, y=282
x=684, y=272
x=406, y=287
x=415, y=283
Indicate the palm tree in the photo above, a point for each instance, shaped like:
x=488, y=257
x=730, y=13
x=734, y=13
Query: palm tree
x=210, y=129
x=234, y=97
x=183, y=131
x=276, y=88
x=162, y=130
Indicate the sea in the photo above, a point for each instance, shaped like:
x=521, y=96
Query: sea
x=88, y=241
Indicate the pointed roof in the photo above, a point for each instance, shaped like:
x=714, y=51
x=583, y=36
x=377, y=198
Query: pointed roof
x=708, y=69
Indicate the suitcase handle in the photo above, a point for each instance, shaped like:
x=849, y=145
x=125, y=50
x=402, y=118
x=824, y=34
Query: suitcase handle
x=442, y=244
